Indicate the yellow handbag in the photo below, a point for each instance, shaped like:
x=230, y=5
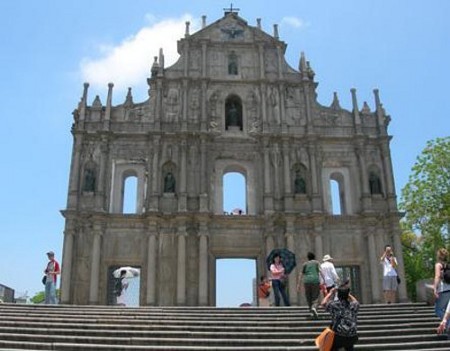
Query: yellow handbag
x=325, y=340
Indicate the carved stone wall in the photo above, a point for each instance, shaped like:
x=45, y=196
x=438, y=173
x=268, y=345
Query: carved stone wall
x=179, y=229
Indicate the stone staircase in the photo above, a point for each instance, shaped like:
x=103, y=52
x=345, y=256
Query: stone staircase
x=66, y=327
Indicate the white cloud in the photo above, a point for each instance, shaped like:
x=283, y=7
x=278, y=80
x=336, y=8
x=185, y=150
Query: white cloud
x=294, y=22
x=128, y=63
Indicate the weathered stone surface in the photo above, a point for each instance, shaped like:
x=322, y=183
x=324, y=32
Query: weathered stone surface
x=279, y=132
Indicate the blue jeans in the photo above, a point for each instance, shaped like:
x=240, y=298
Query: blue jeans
x=441, y=303
x=50, y=292
x=277, y=289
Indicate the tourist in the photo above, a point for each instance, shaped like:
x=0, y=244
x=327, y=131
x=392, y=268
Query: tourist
x=329, y=274
x=390, y=283
x=122, y=286
x=51, y=272
x=440, y=287
x=278, y=280
x=445, y=323
x=310, y=276
x=344, y=317
x=264, y=292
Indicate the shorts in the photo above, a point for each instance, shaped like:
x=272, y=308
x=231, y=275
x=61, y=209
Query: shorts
x=390, y=283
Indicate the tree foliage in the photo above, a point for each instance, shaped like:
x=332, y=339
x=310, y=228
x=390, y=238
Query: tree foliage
x=39, y=297
x=426, y=196
x=426, y=203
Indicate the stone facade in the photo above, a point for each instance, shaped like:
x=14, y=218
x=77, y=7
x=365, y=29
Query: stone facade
x=231, y=103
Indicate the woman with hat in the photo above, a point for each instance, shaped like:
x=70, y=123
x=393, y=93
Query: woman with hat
x=330, y=277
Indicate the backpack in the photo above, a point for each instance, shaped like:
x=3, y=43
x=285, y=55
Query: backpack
x=118, y=286
x=446, y=273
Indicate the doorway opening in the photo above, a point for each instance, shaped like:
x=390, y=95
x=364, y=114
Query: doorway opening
x=236, y=282
x=117, y=293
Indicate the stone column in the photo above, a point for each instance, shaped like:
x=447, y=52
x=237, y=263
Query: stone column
x=318, y=244
x=374, y=270
x=364, y=179
x=156, y=174
x=287, y=171
x=402, y=294
x=158, y=112
x=181, y=267
x=315, y=179
x=282, y=109
x=204, y=116
x=389, y=175
x=203, y=179
x=270, y=243
x=203, y=266
x=72, y=199
x=185, y=105
x=151, y=268
x=263, y=105
x=182, y=200
x=292, y=287
x=66, y=269
x=268, y=196
x=95, y=268
x=101, y=197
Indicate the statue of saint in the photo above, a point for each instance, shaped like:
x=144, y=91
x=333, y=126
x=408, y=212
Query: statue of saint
x=299, y=184
x=232, y=65
x=374, y=184
x=233, y=115
x=169, y=183
x=89, y=180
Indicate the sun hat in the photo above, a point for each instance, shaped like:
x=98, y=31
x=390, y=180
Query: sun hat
x=327, y=258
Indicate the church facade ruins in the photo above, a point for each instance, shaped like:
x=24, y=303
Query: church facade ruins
x=231, y=103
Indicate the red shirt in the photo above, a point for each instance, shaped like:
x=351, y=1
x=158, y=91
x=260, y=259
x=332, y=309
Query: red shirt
x=53, y=266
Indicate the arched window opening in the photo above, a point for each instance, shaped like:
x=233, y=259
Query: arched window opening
x=375, y=184
x=233, y=113
x=130, y=194
x=335, y=198
x=234, y=194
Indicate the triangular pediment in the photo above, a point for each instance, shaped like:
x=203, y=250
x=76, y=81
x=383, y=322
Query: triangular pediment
x=231, y=29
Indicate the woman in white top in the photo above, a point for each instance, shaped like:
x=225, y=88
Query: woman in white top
x=441, y=289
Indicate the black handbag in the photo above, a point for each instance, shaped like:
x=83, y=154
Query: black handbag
x=44, y=279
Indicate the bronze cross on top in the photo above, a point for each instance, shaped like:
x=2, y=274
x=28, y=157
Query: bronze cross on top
x=231, y=9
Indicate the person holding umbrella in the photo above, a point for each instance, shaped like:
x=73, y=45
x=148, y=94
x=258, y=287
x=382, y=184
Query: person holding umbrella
x=122, y=275
x=277, y=271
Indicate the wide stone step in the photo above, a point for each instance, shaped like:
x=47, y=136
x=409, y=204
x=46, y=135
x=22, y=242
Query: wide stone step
x=381, y=327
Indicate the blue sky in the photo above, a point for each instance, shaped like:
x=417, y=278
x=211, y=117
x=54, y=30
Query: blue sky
x=49, y=48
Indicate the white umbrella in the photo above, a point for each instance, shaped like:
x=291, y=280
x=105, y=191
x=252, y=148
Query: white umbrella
x=131, y=272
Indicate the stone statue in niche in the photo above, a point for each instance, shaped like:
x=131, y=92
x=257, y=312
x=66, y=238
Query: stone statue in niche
x=233, y=115
x=374, y=184
x=195, y=104
x=299, y=184
x=232, y=64
x=89, y=180
x=169, y=183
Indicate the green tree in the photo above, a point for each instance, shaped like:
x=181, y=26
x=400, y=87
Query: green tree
x=38, y=297
x=426, y=203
